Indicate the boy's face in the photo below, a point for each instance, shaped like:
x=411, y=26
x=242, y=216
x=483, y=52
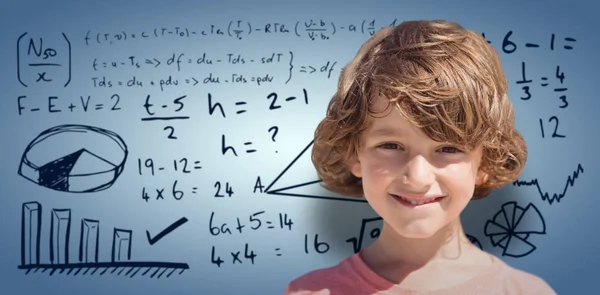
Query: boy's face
x=398, y=160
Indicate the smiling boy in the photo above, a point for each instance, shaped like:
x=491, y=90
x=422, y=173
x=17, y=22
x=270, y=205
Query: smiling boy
x=420, y=125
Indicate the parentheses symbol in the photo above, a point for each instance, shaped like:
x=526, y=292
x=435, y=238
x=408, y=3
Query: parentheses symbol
x=19, y=59
x=155, y=34
x=249, y=28
x=291, y=67
x=333, y=25
x=187, y=32
x=362, y=27
x=124, y=36
x=98, y=38
x=296, y=28
x=229, y=28
x=69, y=57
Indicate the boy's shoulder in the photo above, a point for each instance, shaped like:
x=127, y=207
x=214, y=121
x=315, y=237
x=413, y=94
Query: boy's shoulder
x=517, y=281
x=350, y=276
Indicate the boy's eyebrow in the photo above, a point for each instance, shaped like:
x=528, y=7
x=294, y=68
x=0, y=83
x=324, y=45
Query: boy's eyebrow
x=385, y=131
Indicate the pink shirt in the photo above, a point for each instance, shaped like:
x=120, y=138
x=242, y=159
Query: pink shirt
x=353, y=276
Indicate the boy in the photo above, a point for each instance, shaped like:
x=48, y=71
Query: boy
x=420, y=124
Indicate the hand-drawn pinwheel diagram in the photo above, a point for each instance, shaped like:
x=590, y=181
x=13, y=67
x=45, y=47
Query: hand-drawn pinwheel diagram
x=512, y=226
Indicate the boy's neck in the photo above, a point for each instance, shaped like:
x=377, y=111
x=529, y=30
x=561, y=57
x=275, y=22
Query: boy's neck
x=446, y=244
x=395, y=257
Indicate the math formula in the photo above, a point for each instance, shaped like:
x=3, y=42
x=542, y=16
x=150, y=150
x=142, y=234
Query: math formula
x=166, y=118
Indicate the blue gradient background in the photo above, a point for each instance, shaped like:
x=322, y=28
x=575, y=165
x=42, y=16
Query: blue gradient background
x=566, y=256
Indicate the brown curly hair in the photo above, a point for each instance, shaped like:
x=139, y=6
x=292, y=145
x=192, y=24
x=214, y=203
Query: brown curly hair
x=443, y=78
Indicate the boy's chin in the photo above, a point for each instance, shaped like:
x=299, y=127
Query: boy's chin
x=419, y=232
x=417, y=235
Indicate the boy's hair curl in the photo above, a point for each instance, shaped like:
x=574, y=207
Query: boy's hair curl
x=443, y=78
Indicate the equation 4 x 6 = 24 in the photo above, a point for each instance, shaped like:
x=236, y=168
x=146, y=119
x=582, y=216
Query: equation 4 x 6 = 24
x=177, y=193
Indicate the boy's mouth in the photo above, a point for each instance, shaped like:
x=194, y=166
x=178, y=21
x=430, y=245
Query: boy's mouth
x=413, y=202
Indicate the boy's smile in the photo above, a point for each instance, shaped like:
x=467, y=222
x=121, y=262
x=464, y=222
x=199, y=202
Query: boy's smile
x=417, y=185
x=417, y=201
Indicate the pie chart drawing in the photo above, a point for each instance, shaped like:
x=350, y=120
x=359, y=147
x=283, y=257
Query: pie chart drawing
x=74, y=158
x=512, y=226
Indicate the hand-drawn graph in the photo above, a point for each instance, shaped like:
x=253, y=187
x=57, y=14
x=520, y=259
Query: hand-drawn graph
x=545, y=195
x=512, y=226
x=74, y=158
x=296, y=185
x=89, y=247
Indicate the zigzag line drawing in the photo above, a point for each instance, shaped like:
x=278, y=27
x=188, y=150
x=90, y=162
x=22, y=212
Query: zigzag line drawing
x=545, y=195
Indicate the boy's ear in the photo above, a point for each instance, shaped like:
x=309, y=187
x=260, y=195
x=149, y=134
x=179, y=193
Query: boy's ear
x=482, y=177
x=355, y=167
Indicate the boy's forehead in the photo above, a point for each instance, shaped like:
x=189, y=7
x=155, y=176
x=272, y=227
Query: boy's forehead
x=386, y=118
x=381, y=105
x=386, y=115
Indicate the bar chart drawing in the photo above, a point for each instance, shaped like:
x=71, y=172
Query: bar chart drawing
x=121, y=235
x=90, y=236
x=89, y=247
x=60, y=227
x=31, y=223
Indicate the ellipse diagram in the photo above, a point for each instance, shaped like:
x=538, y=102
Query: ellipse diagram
x=74, y=158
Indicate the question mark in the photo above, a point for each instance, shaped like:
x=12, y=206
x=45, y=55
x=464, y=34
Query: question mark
x=274, y=133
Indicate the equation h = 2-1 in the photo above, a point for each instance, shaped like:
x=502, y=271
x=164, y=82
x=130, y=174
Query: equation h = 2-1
x=274, y=101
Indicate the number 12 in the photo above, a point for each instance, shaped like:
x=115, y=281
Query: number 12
x=555, y=133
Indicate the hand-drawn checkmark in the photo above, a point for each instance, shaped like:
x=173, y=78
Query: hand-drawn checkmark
x=166, y=231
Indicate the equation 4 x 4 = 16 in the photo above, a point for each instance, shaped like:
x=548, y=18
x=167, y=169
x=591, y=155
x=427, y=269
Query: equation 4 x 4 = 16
x=247, y=255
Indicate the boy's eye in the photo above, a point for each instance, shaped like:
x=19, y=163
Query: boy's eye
x=389, y=145
x=450, y=150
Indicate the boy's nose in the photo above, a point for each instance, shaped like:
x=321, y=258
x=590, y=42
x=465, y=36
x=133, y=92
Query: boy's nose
x=418, y=173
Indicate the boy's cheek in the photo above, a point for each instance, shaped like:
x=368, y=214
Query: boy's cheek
x=378, y=177
x=380, y=169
